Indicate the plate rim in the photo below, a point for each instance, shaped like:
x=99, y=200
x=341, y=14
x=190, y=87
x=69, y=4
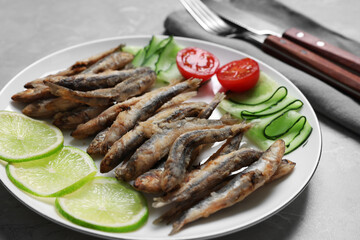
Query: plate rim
x=148, y=36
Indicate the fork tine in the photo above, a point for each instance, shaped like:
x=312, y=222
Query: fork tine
x=205, y=17
x=189, y=7
x=214, y=19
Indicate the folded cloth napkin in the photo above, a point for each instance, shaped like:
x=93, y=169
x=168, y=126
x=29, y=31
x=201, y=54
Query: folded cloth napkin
x=325, y=99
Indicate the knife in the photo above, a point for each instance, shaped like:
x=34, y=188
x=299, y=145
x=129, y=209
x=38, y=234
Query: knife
x=286, y=46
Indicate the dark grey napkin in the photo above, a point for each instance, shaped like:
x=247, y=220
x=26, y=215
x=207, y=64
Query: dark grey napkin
x=324, y=99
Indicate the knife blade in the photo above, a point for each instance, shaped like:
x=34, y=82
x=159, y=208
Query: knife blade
x=259, y=26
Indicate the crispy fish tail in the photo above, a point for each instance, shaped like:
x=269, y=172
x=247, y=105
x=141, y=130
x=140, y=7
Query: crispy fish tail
x=212, y=105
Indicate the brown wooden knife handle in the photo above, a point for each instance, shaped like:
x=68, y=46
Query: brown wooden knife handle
x=313, y=64
x=323, y=48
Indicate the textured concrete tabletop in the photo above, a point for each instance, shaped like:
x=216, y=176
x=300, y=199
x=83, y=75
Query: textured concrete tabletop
x=329, y=208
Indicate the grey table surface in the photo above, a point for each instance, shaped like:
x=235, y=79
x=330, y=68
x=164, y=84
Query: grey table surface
x=327, y=209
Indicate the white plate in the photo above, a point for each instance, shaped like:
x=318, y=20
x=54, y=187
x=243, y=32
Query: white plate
x=260, y=205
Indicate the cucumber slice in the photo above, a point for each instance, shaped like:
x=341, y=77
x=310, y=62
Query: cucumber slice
x=131, y=49
x=151, y=61
x=139, y=58
x=159, y=55
x=168, y=55
x=154, y=46
x=245, y=111
x=269, y=110
x=153, y=51
x=299, y=137
x=170, y=75
x=262, y=91
x=273, y=111
x=282, y=124
x=269, y=128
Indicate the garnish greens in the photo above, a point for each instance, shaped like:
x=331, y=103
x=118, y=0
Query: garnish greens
x=159, y=55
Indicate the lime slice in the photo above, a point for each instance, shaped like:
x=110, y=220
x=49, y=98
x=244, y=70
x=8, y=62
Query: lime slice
x=105, y=204
x=23, y=138
x=58, y=174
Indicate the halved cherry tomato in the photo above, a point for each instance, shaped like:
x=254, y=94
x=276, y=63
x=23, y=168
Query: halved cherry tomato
x=239, y=76
x=197, y=63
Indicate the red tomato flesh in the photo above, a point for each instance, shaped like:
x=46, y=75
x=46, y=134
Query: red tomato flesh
x=197, y=63
x=239, y=76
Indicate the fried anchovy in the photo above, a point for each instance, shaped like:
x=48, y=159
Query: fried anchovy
x=229, y=146
x=114, y=61
x=211, y=173
x=71, y=119
x=94, y=146
x=106, y=118
x=206, y=113
x=135, y=137
x=41, y=91
x=180, y=207
x=124, y=142
x=178, y=99
x=158, y=146
x=122, y=91
x=103, y=120
x=176, y=211
x=285, y=167
x=142, y=110
x=179, y=155
x=87, y=82
x=150, y=181
x=76, y=68
x=37, y=90
x=238, y=188
x=49, y=107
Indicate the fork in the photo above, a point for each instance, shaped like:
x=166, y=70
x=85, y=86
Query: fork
x=207, y=18
x=212, y=23
x=281, y=48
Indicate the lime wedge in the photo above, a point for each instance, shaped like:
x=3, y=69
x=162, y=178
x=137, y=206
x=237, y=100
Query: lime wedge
x=23, y=138
x=105, y=204
x=58, y=174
